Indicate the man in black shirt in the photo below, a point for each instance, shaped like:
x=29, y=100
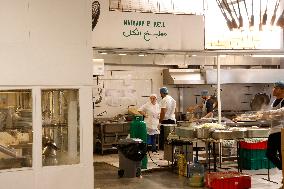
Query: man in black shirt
x=207, y=106
x=274, y=140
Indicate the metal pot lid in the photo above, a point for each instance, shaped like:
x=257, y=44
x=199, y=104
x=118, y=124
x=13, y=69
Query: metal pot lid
x=259, y=101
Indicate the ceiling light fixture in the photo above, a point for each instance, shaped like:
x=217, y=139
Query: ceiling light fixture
x=122, y=54
x=267, y=55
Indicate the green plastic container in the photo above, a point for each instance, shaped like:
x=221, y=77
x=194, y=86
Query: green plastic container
x=255, y=164
x=252, y=154
x=138, y=130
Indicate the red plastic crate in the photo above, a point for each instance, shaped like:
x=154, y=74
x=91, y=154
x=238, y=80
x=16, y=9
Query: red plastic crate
x=253, y=146
x=228, y=180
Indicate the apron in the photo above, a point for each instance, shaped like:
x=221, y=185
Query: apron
x=152, y=121
x=204, y=110
x=276, y=124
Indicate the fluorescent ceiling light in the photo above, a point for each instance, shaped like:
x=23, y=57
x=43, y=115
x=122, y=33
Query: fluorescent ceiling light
x=194, y=55
x=141, y=55
x=122, y=54
x=103, y=53
x=96, y=59
x=267, y=55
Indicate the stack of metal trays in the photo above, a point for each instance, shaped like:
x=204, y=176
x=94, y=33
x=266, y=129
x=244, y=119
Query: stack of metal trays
x=186, y=132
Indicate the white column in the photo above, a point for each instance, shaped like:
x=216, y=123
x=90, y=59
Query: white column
x=218, y=89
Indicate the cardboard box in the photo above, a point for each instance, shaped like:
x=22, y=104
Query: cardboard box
x=282, y=139
x=282, y=150
x=282, y=164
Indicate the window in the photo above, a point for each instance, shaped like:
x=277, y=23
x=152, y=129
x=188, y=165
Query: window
x=60, y=126
x=15, y=129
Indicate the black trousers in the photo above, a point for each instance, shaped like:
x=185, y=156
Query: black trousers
x=273, y=152
x=162, y=132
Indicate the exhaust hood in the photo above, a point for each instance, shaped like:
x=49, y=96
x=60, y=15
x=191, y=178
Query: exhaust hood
x=244, y=76
x=227, y=76
x=183, y=76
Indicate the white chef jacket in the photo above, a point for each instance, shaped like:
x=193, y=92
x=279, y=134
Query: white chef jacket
x=152, y=120
x=170, y=104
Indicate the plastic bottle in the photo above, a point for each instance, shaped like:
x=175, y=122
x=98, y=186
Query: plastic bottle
x=181, y=164
x=187, y=169
x=196, y=174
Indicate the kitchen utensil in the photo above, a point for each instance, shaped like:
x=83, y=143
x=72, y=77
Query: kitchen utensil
x=251, y=22
x=246, y=9
x=264, y=18
x=259, y=101
x=280, y=21
x=234, y=23
x=241, y=22
x=274, y=13
x=229, y=24
x=234, y=9
x=260, y=22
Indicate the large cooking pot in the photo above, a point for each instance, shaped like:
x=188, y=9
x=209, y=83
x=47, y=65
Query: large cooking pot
x=259, y=101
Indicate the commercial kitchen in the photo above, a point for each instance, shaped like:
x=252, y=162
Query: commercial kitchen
x=75, y=74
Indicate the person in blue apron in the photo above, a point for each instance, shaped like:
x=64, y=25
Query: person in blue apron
x=276, y=115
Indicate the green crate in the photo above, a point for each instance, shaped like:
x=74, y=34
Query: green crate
x=254, y=164
x=252, y=154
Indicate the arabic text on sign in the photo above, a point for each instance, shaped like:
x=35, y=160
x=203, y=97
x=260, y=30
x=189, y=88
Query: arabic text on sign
x=146, y=35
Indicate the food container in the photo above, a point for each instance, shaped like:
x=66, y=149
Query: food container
x=222, y=134
x=186, y=132
x=204, y=133
x=239, y=132
x=228, y=180
x=185, y=124
x=257, y=133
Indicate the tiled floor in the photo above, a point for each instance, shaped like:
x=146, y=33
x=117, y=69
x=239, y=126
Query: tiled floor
x=106, y=175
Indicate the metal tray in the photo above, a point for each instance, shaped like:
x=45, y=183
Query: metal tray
x=239, y=134
x=222, y=134
x=257, y=133
x=186, y=132
x=204, y=133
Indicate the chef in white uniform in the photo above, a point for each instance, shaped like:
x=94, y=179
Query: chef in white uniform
x=276, y=115
x=167, y=115
x=151, y=113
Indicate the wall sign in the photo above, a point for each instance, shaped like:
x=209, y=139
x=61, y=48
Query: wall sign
x=137, y=30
